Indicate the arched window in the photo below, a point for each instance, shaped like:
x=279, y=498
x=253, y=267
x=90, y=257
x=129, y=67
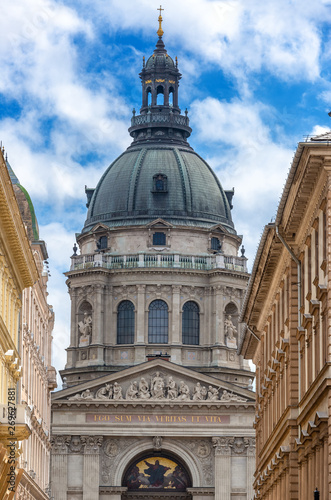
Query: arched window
x=160, y=95
x=125, y=322
x=191, y=323
x=149, y=96
x=158, y=322
x=160, y=183
x=171, y=96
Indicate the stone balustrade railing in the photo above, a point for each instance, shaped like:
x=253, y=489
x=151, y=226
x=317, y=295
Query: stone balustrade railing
x=144, y=260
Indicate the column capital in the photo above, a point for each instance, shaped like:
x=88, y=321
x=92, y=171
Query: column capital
x=60, y=444
x=92, y=444
x=222, y=445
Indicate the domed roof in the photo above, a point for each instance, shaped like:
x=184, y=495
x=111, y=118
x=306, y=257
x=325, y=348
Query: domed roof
x=128, y=192
x=159, y=60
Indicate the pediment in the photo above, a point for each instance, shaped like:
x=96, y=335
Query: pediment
x=99, y=228
x=156, y=381
x=219, y=228
x=159, y=223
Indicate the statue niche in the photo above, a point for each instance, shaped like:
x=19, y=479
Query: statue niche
x=230, y=325
x=85, y=324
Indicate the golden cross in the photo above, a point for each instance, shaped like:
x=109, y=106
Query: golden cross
x=160, y=30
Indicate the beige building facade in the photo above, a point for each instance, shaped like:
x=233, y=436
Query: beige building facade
x=17, y=271
x=287, y=313
x=156, y=402
x=38, y=375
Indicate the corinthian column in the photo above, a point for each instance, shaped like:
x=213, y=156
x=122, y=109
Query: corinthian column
x=222, y=468
x=59, y=467
x=91, y=467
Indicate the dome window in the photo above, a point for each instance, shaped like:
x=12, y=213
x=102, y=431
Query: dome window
x=159, y=239
x=215, y=244
x=102, y=243
x=160, y=183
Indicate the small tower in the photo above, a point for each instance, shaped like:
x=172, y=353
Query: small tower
x=160, y=77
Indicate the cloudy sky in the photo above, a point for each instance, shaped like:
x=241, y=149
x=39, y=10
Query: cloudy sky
x=255, y=81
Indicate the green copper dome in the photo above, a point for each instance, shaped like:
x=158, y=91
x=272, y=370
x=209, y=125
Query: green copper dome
x=128, y=192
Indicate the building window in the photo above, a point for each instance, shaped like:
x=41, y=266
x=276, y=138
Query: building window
x=160, y=183
x=191, y=323
x=159, y=239
x=216, y=244
x=125, y=322
x=102, y=243
x=158, y=322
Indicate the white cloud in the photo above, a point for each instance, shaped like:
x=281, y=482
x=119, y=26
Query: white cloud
x=244, y=155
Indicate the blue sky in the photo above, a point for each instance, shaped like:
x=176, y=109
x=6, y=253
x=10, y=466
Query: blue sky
x=255, y=81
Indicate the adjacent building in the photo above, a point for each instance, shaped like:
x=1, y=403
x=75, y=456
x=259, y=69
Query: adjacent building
x=38, y=375
x=156, y=402
x=287, y=312
x=17, y=271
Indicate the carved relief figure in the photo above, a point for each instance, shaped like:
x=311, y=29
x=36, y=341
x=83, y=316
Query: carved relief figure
x=212, y=393
x=105, y=392
x=117, y=391
x=199, y=392
x=84, y=395
x=172, y=390
x=132, y=392
x=226, y=396
x=144, y=389
x=184, y=391
x=157, y=387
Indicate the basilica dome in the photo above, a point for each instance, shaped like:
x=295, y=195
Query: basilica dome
x=172, y=183
x=159, y=175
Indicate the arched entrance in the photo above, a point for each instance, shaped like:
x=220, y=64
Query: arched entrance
x=156, y=476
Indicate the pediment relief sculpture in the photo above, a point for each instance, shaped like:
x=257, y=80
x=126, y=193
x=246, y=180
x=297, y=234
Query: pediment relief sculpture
x=160, y=388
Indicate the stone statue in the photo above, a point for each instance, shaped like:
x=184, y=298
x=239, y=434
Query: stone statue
x=143, y=389
x=84, y=395
x=184, y=391
x=157, y=387
x=198, y=392
x=105, y=392
x=85, y=329
x=226, y=396
x=157, y=443
x=172, y=390
x=229, y=328
x=132, y=392
x=212, y=393
x=117, y=391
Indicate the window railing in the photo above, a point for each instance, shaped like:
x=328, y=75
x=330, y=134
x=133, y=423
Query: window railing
x=144, y=260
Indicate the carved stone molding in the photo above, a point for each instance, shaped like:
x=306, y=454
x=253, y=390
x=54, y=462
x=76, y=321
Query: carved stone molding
x=157, y=443
x=222, y=445
x=60, y=444
x=75, y=445
x=92, y=444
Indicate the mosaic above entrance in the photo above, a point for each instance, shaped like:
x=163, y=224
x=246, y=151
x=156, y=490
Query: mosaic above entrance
x=156, y=472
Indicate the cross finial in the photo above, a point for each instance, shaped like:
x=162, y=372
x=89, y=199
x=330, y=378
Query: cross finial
x=160, y=30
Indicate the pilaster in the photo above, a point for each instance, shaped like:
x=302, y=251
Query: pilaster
x=140, y=316
x=59, y=467
x=176, y=326
x=91, y=467
x=251, y=449
x=222, y=471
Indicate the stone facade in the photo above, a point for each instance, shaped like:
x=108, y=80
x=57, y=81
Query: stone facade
x=287, y=312
x=156, y=276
